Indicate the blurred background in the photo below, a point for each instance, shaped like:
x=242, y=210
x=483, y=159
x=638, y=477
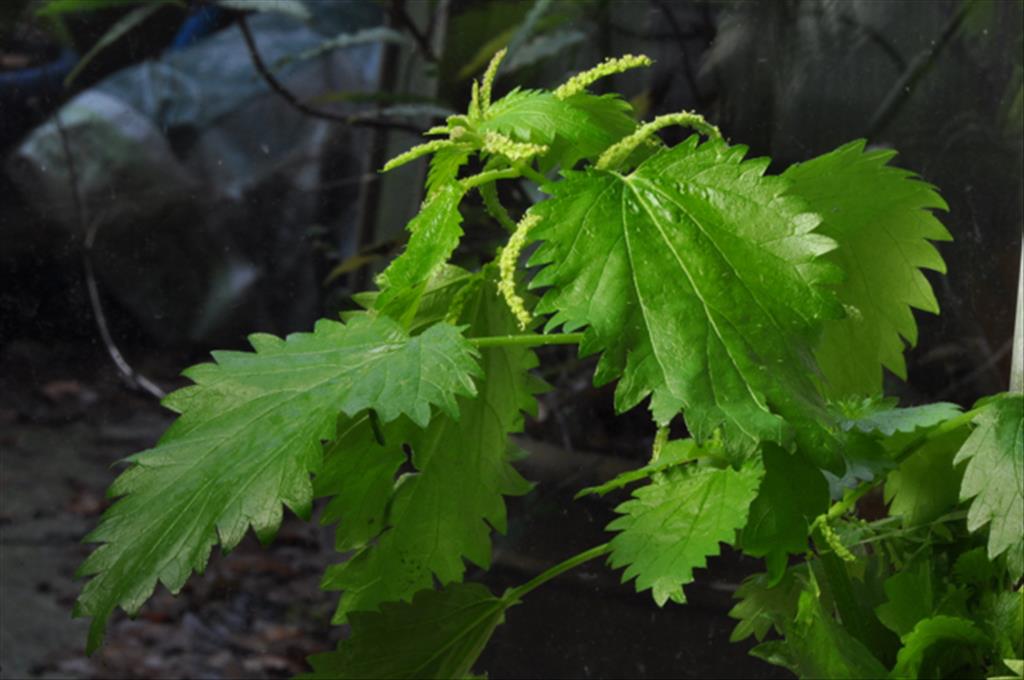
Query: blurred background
x=177, y=174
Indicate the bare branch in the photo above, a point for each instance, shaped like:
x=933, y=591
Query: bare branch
x=918, y=66
x=278, y=87
x=133, y=378
x=421, y=38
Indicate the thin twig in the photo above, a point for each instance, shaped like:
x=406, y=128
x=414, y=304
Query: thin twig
x=133, y=378
x=917, y=67
x=278, y=87
x=677, y=30
x=875, y=37
x=988, y=366
x=422, y=39
x=377, y=154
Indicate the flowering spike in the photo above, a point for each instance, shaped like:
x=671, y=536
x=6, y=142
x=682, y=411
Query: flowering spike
x=457, y=120
x=834, y=542
x=581, y=81
x=475, y=111
x=507, y=269
x=489, y=75
x=619, y=151
x=497, y=143
x=414, y=153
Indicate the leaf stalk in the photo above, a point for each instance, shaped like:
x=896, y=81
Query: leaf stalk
x=527, y=340
x=945, y=428
x=529, y=173
x=489, y=176
x=513, y=595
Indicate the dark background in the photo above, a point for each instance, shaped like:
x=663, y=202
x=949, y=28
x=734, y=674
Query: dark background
x=210, y=207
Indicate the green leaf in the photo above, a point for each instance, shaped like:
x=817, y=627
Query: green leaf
x=444, y=288
x=910, y=598
x=358, y=474
x=246, y=442
x=764, y=605
x=441, y=299
x=974, y=568
x=581, y=126
x=880, y=217
x=791, y=495
x=866, y=459
x=816, y=646
x=436, y=232
x=439, y=635
x=672, y=525
x=888, y=421
x=939, y=647
x=926, y=485
x=674, y=453
x=705, y=294
x=445, y=165
x=1016, y=667
x=855, y=590
x=444, y=512
x=994, y=478
x=1001, y=616
x=123, y=26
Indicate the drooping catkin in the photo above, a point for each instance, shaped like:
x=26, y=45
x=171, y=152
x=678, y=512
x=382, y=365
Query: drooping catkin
x=415, y=152
x=497, y=143
x=618, y=152
x=581, y=81
x=834, y=542
x=507, y=269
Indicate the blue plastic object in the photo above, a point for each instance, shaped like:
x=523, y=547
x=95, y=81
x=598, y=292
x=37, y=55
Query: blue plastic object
x=38, y=80
x=199, y=23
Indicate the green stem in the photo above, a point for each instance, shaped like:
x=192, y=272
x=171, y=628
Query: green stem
x=849, y=500
x=527, y=340
x=513, y=595
x=955, y=516
x=489, y=176
x=489, y=192
x=840, y=507
x=526, y=171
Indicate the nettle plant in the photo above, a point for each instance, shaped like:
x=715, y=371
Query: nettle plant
x=759, y=308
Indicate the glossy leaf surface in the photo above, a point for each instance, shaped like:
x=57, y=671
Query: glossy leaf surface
x=700, y=283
